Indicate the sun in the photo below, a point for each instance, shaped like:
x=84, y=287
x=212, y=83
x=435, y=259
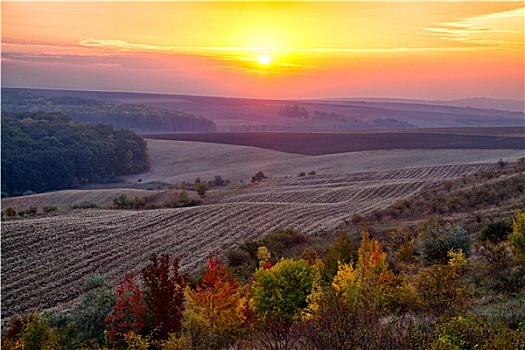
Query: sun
x=264, y=60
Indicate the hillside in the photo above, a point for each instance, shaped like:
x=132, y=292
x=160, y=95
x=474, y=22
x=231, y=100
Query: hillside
x=116, y=241
x=246, y=114
x=139, y=118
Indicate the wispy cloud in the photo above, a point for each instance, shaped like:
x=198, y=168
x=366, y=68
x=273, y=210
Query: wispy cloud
x=488, y=30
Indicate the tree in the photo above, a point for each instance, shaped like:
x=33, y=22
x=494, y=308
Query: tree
x=341, y=252
x=279, y=293
x=97, y=302
x=517, y=237
x=369, y=283
x=129, y=311
x=164, y=294
x=29, y=332
x=201, y=188
x=220, y=300
x=279, y=298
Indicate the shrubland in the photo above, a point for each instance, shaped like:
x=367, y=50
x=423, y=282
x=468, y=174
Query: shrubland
x=424, y=291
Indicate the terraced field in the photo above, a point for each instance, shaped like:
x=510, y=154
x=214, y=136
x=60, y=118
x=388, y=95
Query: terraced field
x=44, y=259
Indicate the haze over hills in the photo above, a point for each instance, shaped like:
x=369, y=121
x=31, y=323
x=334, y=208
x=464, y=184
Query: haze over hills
x=247, y=114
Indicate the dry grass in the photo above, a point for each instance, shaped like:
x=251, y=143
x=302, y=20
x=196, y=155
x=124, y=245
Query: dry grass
x=67, y=198
x=177, y=161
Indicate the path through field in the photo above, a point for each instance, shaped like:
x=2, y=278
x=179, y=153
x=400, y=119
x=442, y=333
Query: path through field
x=45, y=259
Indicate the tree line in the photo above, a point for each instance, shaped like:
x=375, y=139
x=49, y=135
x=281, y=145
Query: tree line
x=135, y=117
x=49, y=151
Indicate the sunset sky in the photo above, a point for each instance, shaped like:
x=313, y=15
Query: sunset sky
x=425, y=50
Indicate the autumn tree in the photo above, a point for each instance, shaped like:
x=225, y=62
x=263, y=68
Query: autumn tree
x=517, y=237
x=219, y=300
x=129, y=312
x=163, y=295
x=369, y=283
x=341, y=252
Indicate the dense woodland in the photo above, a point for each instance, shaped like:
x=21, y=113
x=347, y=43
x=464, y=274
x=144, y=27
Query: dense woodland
x=138, y=118
x=49, y=151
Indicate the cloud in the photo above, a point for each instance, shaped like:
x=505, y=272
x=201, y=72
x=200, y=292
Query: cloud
x=488, y=30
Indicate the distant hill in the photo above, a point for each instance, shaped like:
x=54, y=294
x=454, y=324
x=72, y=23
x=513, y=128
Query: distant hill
x=138, y=118
x=477, y=102
x=248, y=114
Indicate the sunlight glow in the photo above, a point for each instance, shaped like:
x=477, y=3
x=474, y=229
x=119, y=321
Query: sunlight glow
x=264, y=60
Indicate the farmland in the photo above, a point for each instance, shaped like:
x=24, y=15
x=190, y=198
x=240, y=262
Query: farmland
x=321, y=143
x=45, y=258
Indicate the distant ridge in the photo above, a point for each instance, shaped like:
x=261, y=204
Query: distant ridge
x=237, y=114
x=474, y=102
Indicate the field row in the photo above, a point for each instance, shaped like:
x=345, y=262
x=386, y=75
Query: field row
x=44, y=259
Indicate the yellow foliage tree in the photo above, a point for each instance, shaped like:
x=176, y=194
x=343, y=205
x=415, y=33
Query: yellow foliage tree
x=369, y=282
x=517, y=237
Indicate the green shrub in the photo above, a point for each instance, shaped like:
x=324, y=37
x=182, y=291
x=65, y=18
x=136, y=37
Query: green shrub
x=496, y=231
x=438, y=240
x=475, y=333
x=10, y=212
x=84, y=205
x=49, y=209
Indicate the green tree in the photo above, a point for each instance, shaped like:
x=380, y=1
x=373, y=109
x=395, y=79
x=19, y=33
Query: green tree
x=89, y=314
x=279, y=293
x=201, y=188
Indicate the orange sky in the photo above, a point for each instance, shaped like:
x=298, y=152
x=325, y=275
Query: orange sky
x=430, y=50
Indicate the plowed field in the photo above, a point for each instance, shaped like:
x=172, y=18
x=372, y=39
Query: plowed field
x=44, y=259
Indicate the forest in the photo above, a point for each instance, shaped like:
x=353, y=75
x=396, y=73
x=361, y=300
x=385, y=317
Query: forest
x=435, y=286
x=139, y=118
x=49, y=151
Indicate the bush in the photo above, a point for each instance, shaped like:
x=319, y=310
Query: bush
x=122, y=202
x=84, y=205
x=9, y=212
x=32, y=210
x=474, y=333
x=496, y=231
x=49, y=209
x=258, y=177
x=301, y=174
x=438, y=240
